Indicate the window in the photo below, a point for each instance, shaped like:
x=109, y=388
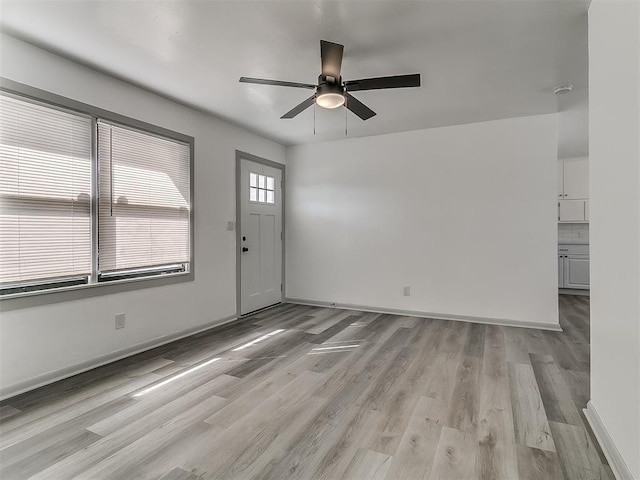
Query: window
x=45, y=187
x=143, y=214
x=262, y=188
x=54, y=233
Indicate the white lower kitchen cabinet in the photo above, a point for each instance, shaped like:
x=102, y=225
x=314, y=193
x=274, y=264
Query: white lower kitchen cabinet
x=576, y=272
x=573, y=266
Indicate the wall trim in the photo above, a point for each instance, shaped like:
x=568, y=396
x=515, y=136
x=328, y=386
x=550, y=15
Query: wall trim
x=574, y=291
x=616, y=462
x=503, y=322
x=9, y=391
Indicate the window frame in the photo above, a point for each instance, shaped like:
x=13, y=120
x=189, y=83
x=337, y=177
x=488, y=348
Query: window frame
x=93, y=287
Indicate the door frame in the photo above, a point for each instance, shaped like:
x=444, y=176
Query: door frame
x=240, y=155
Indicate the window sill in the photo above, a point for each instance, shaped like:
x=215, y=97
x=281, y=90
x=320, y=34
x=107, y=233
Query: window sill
x=78, y=292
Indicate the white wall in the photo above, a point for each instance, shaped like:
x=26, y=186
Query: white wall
x=464, y=215
x=573, y=124
x=44, y=339
x=614, y=147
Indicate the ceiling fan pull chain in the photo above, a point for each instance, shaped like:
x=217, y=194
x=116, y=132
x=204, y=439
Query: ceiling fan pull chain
x=345, y=117
x=314, y=119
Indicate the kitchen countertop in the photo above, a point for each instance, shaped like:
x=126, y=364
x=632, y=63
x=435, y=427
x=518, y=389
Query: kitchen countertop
x=577, y=241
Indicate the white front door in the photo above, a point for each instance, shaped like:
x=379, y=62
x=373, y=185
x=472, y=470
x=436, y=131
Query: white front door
x=260, y=236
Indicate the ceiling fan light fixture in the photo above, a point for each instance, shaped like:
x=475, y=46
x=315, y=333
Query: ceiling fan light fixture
x=330, y=100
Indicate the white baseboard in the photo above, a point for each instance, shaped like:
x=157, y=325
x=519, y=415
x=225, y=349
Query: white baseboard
x=9, y=391
x=616, y=462
x=503, y=322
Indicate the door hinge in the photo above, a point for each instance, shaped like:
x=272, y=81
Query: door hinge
x=281, y=289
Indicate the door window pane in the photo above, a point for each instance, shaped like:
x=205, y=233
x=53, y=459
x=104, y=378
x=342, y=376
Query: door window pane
x=253, y=194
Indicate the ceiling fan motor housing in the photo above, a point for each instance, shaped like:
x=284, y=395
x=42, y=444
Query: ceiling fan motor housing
x=330, y=92
x=327, y=84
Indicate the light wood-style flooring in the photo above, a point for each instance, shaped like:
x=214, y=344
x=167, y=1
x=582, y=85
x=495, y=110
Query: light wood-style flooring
x=319, y=393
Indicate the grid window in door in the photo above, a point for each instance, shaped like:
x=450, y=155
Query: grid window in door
x=262, y=188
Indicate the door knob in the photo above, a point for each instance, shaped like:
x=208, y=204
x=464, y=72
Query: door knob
x=245, y=249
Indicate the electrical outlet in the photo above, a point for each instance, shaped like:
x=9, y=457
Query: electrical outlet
x=120, y=321
x=231, y=225
x=406, y=291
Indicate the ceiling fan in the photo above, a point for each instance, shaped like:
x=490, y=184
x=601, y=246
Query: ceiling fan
x=331, y=91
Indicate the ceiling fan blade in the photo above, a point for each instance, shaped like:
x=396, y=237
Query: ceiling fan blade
x=359, y=108
x=300, y=107
x=279, y=83
x=331, y=54
x=396, y=81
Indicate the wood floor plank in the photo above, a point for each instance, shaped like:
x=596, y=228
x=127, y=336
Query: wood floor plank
x=33, y=460
x=326, y=444
x=530, y=420
x=179, y=474
x=66, y=414
x=578, y=457
x=463, y=408
x=567, y=354
x=536, y=464
x=111, y=444
x=475, y=344
x=556, y=397
x=606, y=473
x=333, y=330
x=367, y=464
x=7, y=411
x=400, y=401
x=128, y=459
x=342, y=391
x=278, y=418
x=579, y=386
x=442, y=378
x=515, y=343
x=209, y=377
x=496, y=457
x=56, y=401
x=414, y=456
x=455, y=456
x=250, y=400
x=348, y=439
x=333, y=318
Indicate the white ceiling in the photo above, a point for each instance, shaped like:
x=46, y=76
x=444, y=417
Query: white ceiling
x=479, y=60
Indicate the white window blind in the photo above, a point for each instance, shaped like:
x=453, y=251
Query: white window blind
x=45, y=188
x=144, y=200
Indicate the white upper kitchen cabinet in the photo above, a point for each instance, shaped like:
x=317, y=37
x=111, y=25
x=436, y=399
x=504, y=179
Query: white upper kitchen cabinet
x=560, y=180
x=576, y=179
x=573, y=190
x=573, y=179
